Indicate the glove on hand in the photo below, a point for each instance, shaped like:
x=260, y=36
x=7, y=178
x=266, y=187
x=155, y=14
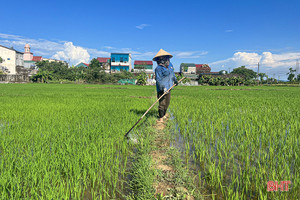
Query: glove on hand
x=165, y=90
x=176, y=82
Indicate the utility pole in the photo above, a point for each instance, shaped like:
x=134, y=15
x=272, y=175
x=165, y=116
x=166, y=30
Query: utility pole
x=257, y=77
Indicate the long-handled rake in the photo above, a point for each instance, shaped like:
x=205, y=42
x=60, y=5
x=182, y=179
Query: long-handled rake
x=126, y=135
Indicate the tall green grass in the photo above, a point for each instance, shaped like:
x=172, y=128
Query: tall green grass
x=238, y=139
x=66, y=141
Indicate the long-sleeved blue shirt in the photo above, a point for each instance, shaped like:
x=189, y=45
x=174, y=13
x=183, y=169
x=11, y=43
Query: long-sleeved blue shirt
x=165, y=77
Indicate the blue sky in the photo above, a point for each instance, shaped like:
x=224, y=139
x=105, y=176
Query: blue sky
x=224, y=34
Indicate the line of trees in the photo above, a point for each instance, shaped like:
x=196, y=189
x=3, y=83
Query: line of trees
x=244, y=76
x=292, y=76
x=238, y=76
x=94, y=73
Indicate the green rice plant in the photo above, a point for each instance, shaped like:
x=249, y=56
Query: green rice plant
x=66, y=141
x=241, y=139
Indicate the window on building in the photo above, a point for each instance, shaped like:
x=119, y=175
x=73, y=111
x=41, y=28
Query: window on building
x=113, y=59
x=8, y=58
x=121, y=59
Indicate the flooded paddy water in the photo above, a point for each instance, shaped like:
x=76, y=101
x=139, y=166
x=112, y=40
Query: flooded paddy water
x=233, y=148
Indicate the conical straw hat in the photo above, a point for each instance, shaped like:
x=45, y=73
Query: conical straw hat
x=161, y=53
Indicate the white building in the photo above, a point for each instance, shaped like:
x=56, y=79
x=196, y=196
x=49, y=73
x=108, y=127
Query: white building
x=54, y=60
x=11, y=59
x=188, y=68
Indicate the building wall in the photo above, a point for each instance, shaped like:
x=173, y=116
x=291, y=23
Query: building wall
x=143, y=67
x=19, y=59
x=28, y=56
x=121, y=60
x=147, y=71
x=119, y=68
x=191, y=70
x=28, y=64
x=106, y=66
x=188, y=68
x=54, y=60
x=14, y=78
x=9, y=57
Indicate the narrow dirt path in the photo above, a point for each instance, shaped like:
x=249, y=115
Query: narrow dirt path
x=166, y=186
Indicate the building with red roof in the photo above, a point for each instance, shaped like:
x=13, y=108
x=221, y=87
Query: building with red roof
x=145, y=66
x=143, y=62
x=103, y=60
x=202, y=68
x=105, y=63
x=37, y=58
x=82, y=65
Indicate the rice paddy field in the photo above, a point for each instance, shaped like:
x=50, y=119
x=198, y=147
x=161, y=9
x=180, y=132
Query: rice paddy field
x=239, y=138
x=66, y=141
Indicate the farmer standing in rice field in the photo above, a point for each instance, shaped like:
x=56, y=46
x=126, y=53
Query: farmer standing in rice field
x=165, y=78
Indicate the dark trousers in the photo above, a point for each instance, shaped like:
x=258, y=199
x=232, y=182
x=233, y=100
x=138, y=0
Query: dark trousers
x=163, y=103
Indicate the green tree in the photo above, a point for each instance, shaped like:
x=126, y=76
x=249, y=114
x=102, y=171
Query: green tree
x=142, y=79
x=261, y=76
x=43, y=75
x=1, y=60
x=222, y=72
x=94, y=64
x=76, y=74
x=291, y=74
x=59, y=70
x=298, y=77
x=186, y=80
x=247, y=73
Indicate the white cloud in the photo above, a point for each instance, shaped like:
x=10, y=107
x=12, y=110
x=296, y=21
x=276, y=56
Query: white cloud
x=74, y=54
x=18, y=42
x=97, y=53
x=240, y=58
x=142, y=26
x=267, y=58
x=144, y=56
x=65, y=50
x=270, y=63
x=108, y=47
x=189, y=54
x=8, y=36
x=228, y=31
